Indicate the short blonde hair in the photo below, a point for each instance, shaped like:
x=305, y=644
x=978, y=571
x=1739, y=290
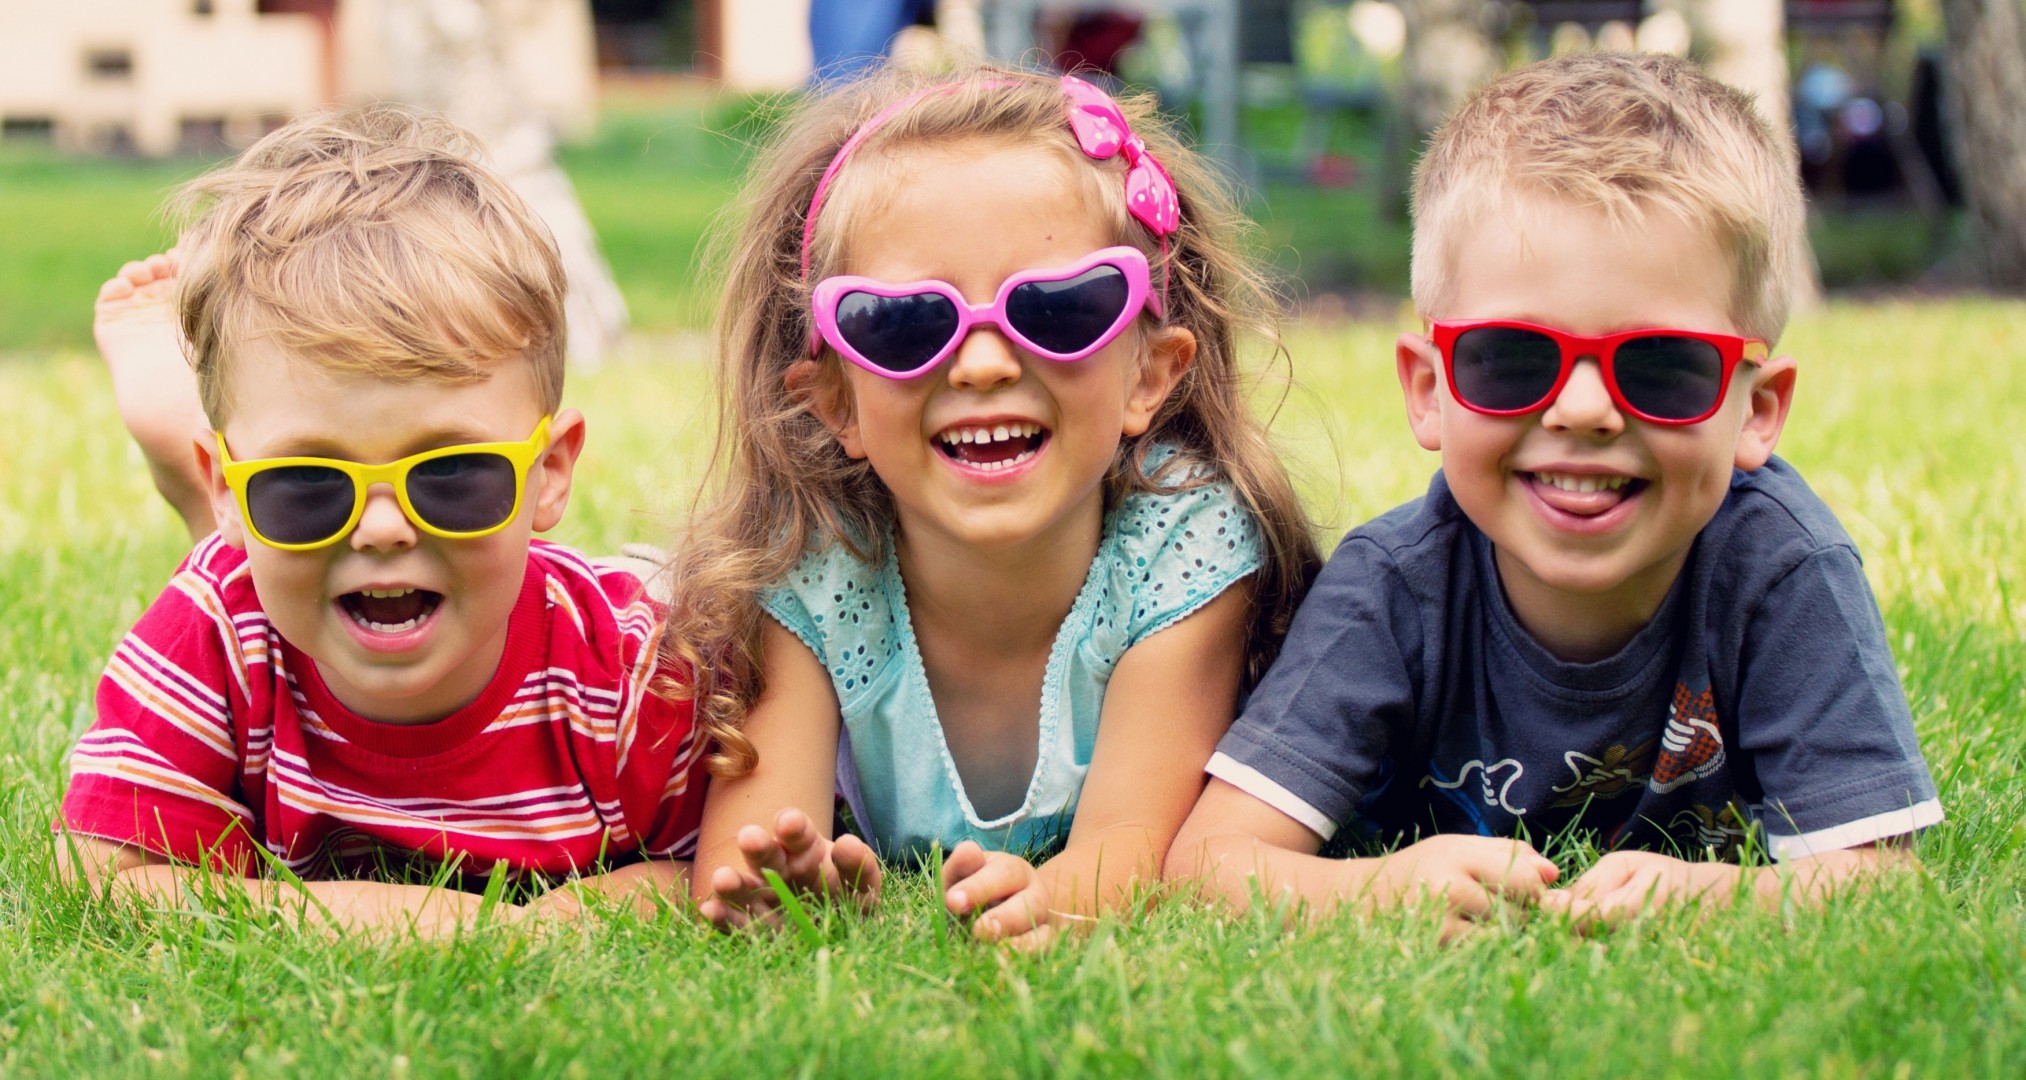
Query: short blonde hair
x=1624, y=134
x=371, y=240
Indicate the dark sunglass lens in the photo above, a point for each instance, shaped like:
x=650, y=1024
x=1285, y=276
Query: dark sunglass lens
x=1505, y=368
x=1065, y=317
x=898, y=333
x=1669, y=378
x=463, y=492
x=299, y=504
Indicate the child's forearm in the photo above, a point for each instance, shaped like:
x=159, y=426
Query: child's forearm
x=353, y=906
x=1811, y=881
x=1102, y=872
x=641, y=887
x=1234, y=868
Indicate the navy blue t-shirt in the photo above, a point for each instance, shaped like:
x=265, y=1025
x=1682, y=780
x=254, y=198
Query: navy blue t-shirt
x=1409, y=701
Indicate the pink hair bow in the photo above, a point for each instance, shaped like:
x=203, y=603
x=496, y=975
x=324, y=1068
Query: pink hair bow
x=1102, y=132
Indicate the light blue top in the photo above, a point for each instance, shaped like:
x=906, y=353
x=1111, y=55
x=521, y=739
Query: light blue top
x=1160, y=557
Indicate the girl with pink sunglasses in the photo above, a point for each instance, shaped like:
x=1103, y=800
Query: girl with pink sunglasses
x=996, y=543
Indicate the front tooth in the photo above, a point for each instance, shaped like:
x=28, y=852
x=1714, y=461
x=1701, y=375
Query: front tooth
x=999, y=433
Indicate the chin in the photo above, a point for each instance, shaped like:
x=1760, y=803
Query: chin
x=1578, y=576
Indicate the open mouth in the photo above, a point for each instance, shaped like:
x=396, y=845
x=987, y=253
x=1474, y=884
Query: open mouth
x=390, y=611
x=1584, y=494
x=992, y=447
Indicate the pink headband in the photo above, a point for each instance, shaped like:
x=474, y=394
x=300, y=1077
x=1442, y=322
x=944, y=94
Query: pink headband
x=1100, y=129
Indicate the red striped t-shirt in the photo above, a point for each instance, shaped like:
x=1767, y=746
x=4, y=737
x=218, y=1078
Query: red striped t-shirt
x=214, y=734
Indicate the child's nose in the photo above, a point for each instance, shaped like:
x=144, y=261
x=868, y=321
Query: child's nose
x=1584, y=406
x=985, y=360
x=382, y=526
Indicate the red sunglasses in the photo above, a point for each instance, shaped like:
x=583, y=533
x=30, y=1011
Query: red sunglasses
x=1500, y=367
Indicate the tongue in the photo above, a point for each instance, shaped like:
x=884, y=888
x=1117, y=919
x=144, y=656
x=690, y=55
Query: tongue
x=391, y=610
x=1581, y=503
x=992, y=452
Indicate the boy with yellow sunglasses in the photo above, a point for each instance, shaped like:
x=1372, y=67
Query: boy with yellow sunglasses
x=372, y=662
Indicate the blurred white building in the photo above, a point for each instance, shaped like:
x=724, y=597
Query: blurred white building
x=154, y=76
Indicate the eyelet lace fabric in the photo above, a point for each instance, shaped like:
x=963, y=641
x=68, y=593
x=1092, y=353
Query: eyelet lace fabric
x=1160, y=557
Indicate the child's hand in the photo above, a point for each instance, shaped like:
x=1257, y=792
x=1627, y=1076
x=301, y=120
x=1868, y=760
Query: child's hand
x=1463, y=873
x=1006, y=888
x=1626, y=884
x=808, y=863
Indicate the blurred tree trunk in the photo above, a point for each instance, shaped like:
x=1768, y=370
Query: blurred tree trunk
x=1744, y=45
x=451, y=56
x=1986, y=88
x=1448, y=53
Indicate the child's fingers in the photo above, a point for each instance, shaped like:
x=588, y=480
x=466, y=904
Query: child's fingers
x=160, y=266
x=739, y=889
x=1605, y=875
x=802, y=850
x=722, y=915
x=761, y=850
x=1455, y=928
x=1038, y=940
x=1020, y=913
x=1467, y=896
x=857, y=868
x=965, y=859
x=793, y=830
x=999, y=878
x=115, y=288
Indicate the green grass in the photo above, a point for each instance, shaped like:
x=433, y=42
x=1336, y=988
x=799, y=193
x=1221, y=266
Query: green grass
x=1906, y=422
x=662, y=163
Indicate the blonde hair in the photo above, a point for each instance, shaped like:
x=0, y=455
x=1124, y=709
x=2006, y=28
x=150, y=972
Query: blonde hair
x=784, y=487
x=1624, y=134
x=371, y=240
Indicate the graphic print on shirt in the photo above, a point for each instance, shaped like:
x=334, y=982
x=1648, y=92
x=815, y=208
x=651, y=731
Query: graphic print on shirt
x=1620, y=771
x=1494, y=792
x=1720, y=832
x=1691, y=747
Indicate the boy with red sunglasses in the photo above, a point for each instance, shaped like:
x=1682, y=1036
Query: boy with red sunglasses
x=1614, y=615
x=372, y=675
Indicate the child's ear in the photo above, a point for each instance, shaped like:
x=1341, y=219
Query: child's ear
x=224, y=508
x=1771, y=392
x=829, y=401
x=549, y=478
x=1419, y=365
x=1170, y=351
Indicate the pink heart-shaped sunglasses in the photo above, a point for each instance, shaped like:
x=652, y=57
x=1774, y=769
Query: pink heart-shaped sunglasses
x=1063, y=314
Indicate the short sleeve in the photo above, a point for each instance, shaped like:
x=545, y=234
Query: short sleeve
x=1313, y=737
x=159, y=767
x=837, y=604
x=1178, y=551
x=1822, y=719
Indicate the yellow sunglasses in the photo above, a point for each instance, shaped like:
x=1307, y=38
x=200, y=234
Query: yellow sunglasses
x=456, y=492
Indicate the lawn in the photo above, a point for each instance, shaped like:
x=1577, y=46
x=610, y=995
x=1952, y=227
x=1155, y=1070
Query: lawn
x=1906, y=423
x=1921, y=977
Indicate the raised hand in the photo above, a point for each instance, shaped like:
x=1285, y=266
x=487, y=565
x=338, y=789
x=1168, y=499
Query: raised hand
x=808, y=863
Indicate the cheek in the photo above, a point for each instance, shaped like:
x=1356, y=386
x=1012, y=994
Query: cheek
x=290, y=586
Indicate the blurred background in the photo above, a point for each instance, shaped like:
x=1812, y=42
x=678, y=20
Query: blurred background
x=628, y=122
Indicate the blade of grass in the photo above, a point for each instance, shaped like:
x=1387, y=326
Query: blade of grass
x=805, y=927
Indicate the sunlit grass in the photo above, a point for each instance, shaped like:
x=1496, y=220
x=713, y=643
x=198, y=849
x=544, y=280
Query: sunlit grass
x=1906, y=421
